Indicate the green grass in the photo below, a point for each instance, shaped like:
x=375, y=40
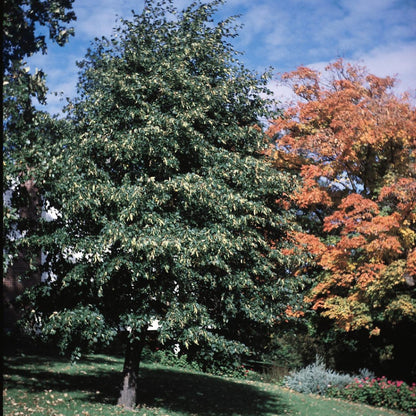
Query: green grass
x=42, y=385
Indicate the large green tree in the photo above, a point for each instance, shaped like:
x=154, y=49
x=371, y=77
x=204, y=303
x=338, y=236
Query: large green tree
x=167, y=209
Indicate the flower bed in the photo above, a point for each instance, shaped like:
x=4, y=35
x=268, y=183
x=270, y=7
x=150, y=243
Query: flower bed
x=379, y=392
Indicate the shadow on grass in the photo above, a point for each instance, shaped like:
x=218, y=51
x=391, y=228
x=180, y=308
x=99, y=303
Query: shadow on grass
x=205, y=395
x=170, y=389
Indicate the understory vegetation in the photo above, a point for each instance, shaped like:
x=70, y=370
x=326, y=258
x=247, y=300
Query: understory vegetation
x=363, y=388
x=315, y=378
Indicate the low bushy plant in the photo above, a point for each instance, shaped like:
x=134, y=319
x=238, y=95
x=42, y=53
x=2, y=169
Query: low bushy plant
x=316, y=379
x=365, y=374
x=169, y=358
x=379, y=392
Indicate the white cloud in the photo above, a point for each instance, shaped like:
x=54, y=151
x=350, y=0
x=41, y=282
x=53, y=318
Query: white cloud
x=283, y=94
x=96, y=19
x=368, y=7
x=303, y=31
x=394, y=60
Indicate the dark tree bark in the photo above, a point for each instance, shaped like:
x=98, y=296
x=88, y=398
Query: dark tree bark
x=129, y=387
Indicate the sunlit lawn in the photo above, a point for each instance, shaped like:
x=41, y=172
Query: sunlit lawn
x=46, y=385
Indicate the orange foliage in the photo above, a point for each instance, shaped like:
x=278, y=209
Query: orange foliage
x=353, y=142
x=401, y=194
x=411, y=266
x=293, y=313
x=309, y=243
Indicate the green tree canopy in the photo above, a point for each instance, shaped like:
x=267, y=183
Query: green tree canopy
x=167, y=209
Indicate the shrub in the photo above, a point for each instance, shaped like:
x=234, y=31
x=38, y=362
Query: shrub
x=316, y=379
x=365, y=373
x=169, y=358
x=379, y=392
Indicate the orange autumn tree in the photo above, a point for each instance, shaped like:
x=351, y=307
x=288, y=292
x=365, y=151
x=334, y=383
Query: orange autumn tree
x=353, y=141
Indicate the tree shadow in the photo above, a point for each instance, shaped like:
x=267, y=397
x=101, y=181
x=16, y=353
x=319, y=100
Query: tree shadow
x=199, y=394
x=38, y=373
x=170, y=389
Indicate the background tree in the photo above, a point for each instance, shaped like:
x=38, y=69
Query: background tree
x=354, y=143
x=27, y=134
x=26, y=129
x=166, y=208
x=21, y=36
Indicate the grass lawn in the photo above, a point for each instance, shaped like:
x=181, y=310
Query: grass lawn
x=44, y=385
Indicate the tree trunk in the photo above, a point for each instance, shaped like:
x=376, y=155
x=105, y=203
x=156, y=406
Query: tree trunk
x=129, y=387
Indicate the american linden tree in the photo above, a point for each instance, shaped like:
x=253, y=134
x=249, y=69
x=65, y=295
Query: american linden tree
x=168, y=210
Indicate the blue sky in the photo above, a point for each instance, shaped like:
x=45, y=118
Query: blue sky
x=380, y=34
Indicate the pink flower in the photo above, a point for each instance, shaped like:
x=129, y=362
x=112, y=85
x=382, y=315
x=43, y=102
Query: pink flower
x=399, y=383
